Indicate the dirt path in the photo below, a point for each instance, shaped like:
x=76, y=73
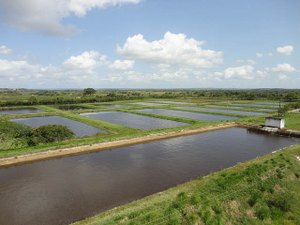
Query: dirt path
x=104, y=145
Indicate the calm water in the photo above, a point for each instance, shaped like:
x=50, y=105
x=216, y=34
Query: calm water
x=259, y=105
x=63, y=190
x=79, y=129
x=19, y=111
x=175, y=103
x=190, y=115
x=147, y=104
x=134, y=120
x=241, y=107
x=115, y=106
x=244, y=113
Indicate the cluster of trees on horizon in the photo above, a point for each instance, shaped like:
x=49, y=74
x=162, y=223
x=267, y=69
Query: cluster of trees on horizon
x=14, y=97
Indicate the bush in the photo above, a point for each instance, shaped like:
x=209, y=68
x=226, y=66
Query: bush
x=253, y=198
x=262, y=213
x=281, y=201
x=50, y=133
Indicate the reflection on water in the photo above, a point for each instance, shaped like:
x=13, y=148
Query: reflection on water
x=244, y=113
x=79, y=129
x=60, y=191
x=189, y=115
x=134, y=120
x=19, y=111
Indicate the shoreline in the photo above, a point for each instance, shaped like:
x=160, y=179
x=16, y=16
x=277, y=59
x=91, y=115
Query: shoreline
x=57, y=153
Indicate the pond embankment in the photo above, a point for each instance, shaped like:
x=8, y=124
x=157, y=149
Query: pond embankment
x=55, y=153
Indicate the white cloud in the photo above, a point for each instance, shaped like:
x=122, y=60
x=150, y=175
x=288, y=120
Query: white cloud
x=46, y=15
x=285, y=50
x=284, y=68
x=259, y=54
x=173, y=49
x=5, y=50
x=239, y=72
x=88, y=60
x=248, y=61
x=122, y=64
x=282, y=77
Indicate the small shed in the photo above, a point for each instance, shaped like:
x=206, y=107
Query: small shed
x=277, y=122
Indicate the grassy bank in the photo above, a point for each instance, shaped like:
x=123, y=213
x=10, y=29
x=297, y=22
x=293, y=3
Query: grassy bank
x=262, y=191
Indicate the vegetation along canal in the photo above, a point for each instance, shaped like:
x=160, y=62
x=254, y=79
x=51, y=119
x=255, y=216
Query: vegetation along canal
x=63, y=190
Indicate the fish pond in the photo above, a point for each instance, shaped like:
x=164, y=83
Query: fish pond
x=63, y=190
x=189, y=115
x=19, y=111
x=242, y=113
x=79, y=129
x=232, y=107
x=147, y=104
x=134, y=120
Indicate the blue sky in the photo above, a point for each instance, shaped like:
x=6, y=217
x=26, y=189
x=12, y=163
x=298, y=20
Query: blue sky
x=149, y=44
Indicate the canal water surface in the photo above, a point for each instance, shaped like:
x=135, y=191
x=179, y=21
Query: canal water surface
x=63, y=190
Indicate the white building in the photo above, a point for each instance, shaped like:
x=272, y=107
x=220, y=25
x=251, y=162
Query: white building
x=275, y=122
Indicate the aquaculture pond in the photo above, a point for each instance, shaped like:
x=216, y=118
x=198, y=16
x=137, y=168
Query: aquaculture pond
x=19, y=111
x=175, y=103
x=259, y=105
x=115, y=106
x=231, y=107
x=190, y=115
x=63, y=190
x=134, y=120
x=147, y=104
x=243, y=113
x=79, y=129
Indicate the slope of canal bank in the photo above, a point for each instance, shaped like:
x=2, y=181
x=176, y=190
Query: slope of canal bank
x=265, y=190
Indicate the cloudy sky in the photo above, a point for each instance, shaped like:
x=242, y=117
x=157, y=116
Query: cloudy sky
x=149, y=43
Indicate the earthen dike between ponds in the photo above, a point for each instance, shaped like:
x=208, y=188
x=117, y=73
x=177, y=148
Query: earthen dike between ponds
x=57, y=153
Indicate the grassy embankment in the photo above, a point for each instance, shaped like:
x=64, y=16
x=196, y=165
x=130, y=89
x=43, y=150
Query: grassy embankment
x=265, y=190
x=113, y=131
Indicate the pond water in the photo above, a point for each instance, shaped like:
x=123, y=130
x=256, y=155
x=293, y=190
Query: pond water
x=19, y=111
x=147, y=104
x=241, y=107
x=72, y=107
x=175, y=103
x=115, y=106
x=259, y=105
x=63, y=190
x=189, y=115
x=79, y=129
x=244, y=113
x=134, y=120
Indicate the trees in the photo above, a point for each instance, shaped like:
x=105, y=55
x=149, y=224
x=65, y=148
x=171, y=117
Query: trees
x=89, y=91
x=50, y=133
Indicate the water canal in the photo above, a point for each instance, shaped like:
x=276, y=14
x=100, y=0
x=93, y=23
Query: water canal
x=63, y=190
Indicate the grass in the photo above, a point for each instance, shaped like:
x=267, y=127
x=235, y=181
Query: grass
x=261, y=191
x=116, y=131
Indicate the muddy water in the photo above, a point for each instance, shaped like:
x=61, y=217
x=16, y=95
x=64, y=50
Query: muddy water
x=60, y=191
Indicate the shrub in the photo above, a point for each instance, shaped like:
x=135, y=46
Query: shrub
x=50, y=133
x=262, y=212
x=253, y=198
x=281, y=201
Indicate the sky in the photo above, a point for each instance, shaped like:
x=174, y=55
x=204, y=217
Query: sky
x=61, y=44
